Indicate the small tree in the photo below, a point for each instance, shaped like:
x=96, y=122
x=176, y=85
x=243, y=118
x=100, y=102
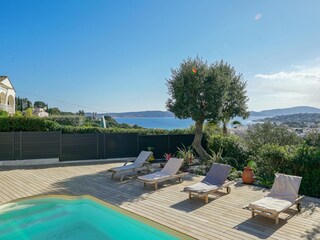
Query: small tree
x=235, y=101
x=40, y=104
x=28, y=112
x=200, y=91
x=54, y=111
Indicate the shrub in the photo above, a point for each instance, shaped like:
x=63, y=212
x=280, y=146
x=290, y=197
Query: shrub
x=306, y=163
x=75, y=121
x=3, y=113
x=8, y=124
x=268, y=133
x=234, y=149
x=313, y=139
x=271, y=159
x=140, y=131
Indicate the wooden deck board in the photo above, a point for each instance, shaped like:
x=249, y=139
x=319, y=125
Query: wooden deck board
x=222, y=218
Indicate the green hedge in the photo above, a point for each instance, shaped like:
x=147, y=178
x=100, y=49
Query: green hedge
x=140, y=131
x=8, y=124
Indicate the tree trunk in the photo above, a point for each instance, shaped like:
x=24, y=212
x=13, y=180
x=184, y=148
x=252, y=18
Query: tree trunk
x=197, y=141
x=224, y=128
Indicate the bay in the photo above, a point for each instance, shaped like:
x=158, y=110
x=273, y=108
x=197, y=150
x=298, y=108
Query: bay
x=170, y=123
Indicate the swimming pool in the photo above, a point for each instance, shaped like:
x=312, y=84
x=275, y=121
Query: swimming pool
x=81, y=218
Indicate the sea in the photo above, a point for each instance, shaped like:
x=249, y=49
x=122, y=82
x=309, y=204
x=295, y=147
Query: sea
x=170, y=123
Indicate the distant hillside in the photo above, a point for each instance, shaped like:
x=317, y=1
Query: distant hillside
x=285, y=111
x=264, y=113
x=137, y=114
x=295, y=120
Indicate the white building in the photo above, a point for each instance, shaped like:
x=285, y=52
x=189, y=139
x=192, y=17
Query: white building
x=40, y=112
x=7, y=95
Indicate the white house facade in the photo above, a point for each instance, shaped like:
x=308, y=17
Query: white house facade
x=40, y=112
x=7, y=95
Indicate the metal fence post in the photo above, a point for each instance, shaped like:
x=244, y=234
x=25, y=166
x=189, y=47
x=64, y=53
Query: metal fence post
x=137, y=144
x=13, y=148
x=97, y=142
x=20, y=145
x=104, y=145
x=60, y=145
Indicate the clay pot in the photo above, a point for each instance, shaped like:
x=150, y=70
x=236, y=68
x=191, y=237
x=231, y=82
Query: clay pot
x=247, y=175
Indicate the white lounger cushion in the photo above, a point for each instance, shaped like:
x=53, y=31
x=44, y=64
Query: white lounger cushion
x=201, y=187
x=270, y=204
x=154, y=176
x=284, y=193
x=170, y=169
x=285, y=187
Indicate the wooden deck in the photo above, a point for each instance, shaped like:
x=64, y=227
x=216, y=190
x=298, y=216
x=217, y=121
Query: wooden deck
x=222, y=218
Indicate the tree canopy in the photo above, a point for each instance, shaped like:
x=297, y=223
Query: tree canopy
x=202, y=91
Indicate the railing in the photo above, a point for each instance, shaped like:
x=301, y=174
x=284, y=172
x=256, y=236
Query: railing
x=6, y=108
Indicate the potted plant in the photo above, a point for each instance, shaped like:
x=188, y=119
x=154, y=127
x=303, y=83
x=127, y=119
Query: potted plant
x=248, y=175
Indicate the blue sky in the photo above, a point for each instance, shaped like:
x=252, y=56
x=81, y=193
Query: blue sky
x=115, y=56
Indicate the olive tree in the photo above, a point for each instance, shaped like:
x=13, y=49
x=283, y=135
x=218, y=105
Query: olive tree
x=199, y=91
x=235, y=101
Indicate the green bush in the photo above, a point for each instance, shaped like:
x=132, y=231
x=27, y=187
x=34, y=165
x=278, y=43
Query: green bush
x=71, y=120
x=3, y=113
x=140, y=131
x=234, y=149
x=268, y=133
x=8, y=124
x=272, y=159
x=306, y=163
x=313, y=139
x=300, y=160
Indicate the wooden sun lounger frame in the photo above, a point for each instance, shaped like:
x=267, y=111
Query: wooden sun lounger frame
x=155, y=182
x=272, y=215
x=205, y=195
x=144, y=167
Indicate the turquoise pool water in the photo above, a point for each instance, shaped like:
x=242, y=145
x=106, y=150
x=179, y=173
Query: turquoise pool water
x=65, y=219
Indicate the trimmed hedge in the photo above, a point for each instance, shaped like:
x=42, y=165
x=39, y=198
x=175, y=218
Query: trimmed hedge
x=140, y=131
x=9, y=124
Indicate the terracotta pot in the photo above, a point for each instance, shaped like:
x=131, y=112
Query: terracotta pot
x=247, y=175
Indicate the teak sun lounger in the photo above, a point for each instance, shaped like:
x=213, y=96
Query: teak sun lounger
x=283, y=195
x=216, y=179
x=170, y=171
x=139, y=164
